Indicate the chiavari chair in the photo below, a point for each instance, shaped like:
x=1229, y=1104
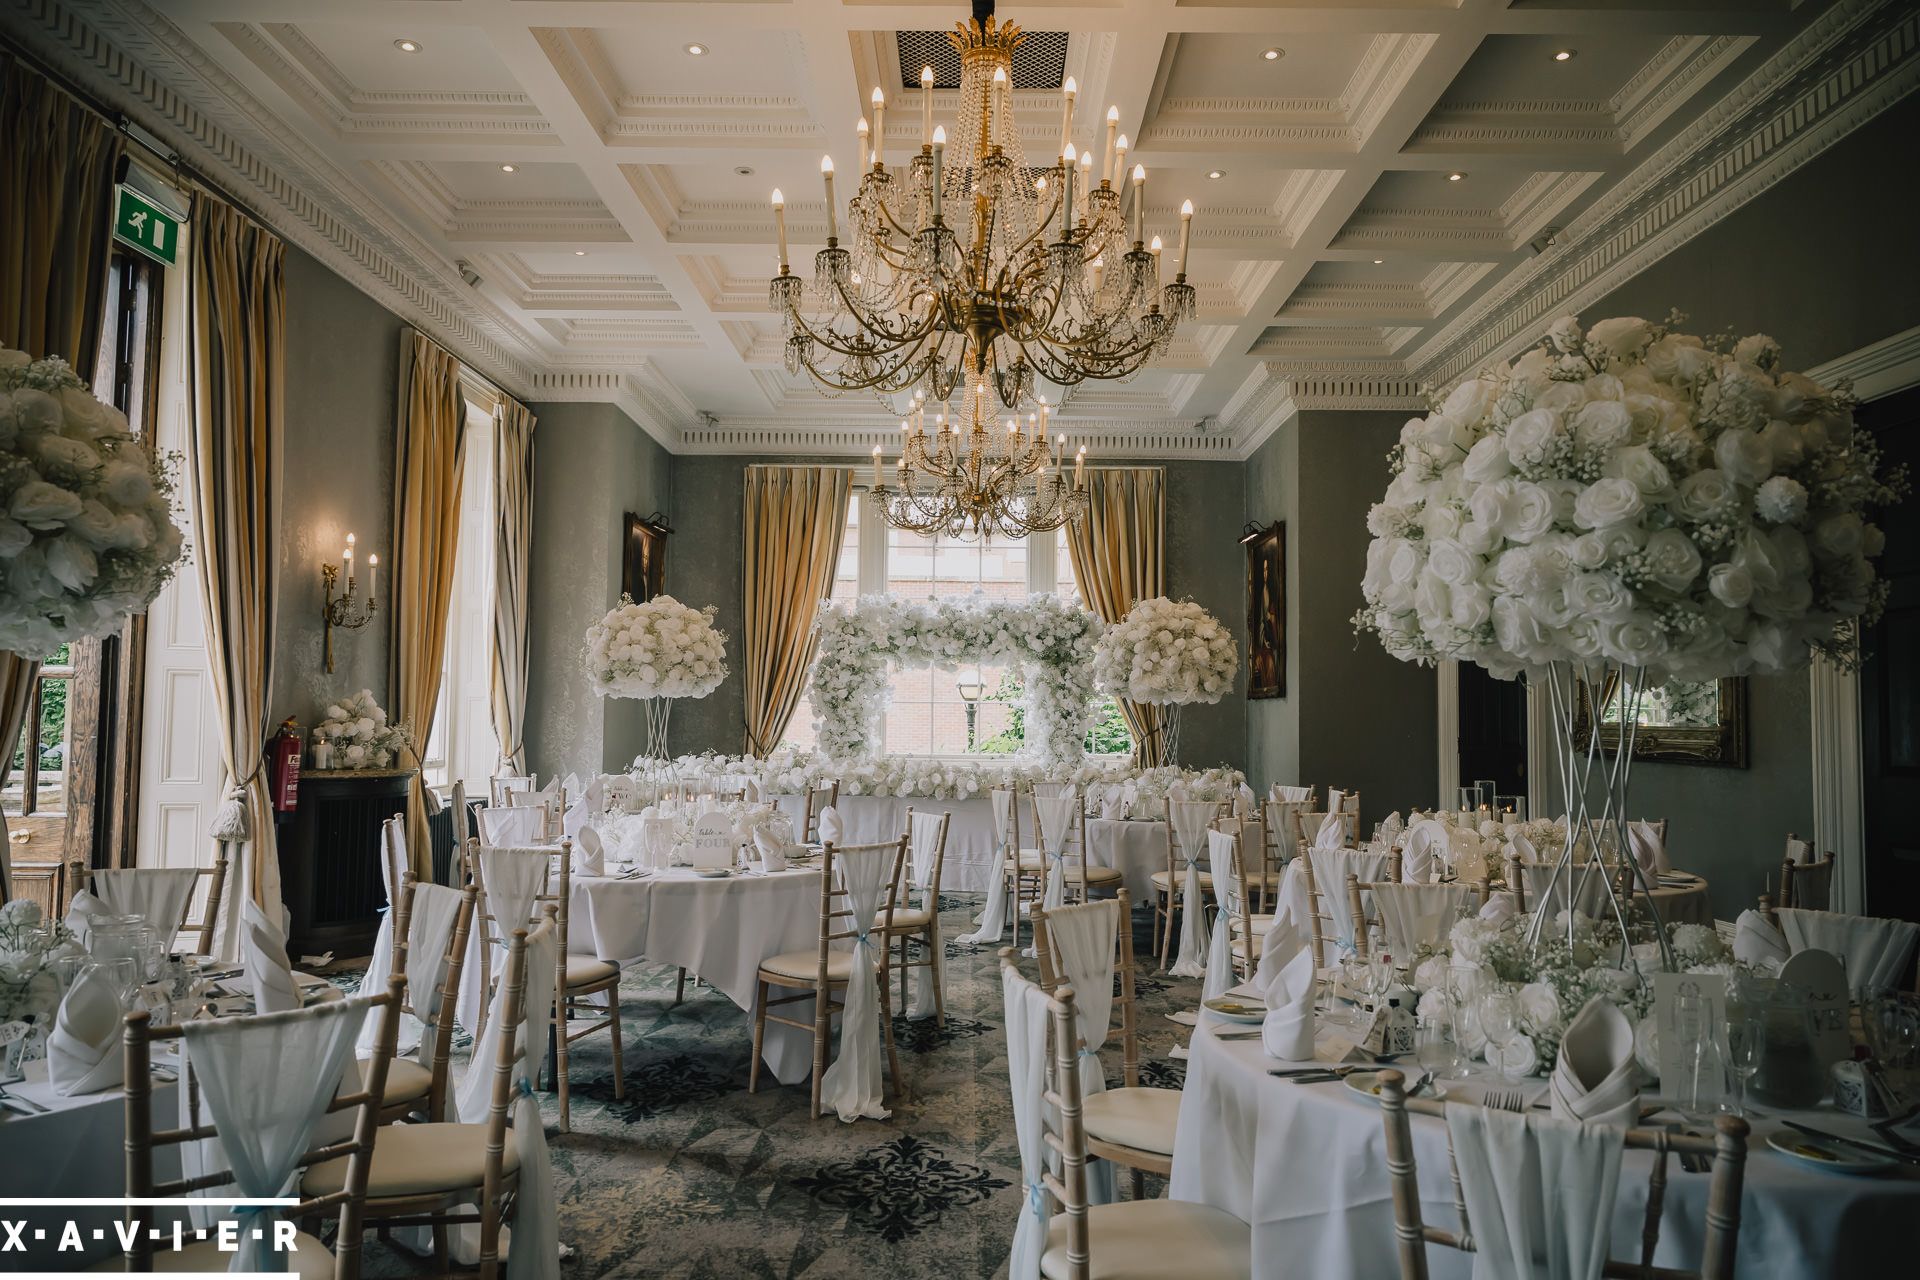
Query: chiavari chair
x=1025, y=868
x=816, y=974
x=1726, y=1149
x=502, y=789
x=818, y=798
x=922, y=922
x=1168, y=886
x=1806, y=881
x=413, y=1088
x=1080, y=875
x=354, y=1157
x=1246, y=928
x=579, y=979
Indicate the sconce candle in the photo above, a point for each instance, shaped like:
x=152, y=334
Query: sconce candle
x=346, y=611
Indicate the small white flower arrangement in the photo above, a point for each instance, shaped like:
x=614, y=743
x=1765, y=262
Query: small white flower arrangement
x=86, y=515
x=1166, y=651
x=660, y=649
x=1631, y=495
x=29, y=989
x=357, y=734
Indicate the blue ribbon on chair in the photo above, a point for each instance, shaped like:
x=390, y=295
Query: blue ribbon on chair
x=1037, y=1199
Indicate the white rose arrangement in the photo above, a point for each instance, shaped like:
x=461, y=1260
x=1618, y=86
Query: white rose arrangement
x=1631, y=495
x=29, y=989
x=359, y=736
x=86, y=516
x=1045, y=636
x=1166, y=651
x=660, y=649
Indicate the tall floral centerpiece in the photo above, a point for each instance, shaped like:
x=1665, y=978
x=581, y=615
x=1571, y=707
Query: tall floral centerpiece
x=86, y=519
x=657, y=652
x=1166, y=653
x=1623, y=506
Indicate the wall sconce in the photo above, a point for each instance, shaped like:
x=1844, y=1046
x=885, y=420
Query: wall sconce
x=346, y=611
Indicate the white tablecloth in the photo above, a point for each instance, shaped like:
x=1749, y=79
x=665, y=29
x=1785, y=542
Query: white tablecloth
x=1138, y=849
x=718, y=929
x=1305, y=1166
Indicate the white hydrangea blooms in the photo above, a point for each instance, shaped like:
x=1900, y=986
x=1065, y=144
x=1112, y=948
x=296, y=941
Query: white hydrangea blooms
x=660, y=649
x=86, y=516
x=357, y=731
x=1166, y=651
x=1630, y=495
x=1045, y=636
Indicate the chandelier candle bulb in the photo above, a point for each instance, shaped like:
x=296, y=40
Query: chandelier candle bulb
x=1120, y=148
x=1086, y=182
x=780, y=226
x=373, y=575
x=833, y=221
x=939, y=150
x=879, y=128
x=1003, y=95
x=926, y=106
x=1067, y=91
x=1067, y=161
x=879, y=478
x=1080, y=468
x=862, y=131
x=1106, y=159
x=1154, y=249
x=1186, y=234
x=1139, y=204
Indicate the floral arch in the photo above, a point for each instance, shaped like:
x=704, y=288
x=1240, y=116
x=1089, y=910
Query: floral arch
x=1049, y=639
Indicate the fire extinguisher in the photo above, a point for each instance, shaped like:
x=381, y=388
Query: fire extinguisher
x=284, y=763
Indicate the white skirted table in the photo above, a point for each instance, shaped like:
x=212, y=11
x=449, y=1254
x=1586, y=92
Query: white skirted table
x=717, y=929
x=1306, y=1167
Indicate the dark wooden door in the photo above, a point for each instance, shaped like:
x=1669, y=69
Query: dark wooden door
x=1890, y=681
x=1493, y=731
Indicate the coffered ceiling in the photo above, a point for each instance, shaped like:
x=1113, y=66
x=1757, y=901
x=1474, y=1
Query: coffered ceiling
x=1400, y=193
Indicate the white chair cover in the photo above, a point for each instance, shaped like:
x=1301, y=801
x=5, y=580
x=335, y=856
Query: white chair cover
x=1084, y=935
x=1291, y=795
x=1189, y=831
x=1280, y=821
x=1538, y=1190
x=514, y=824
x=1335, y=798
x=1330, y=868
x=160, y=895
x=923, y=845
x=1876, y=951
x=992, y=921
x=83, y=1049
x=1416, y=914
x=1758, y=943
x=576, y=818
x=1226, y=897
x=829, y=823
x=266, y=1081
x=1332, y=833
x=1026, y=1013
x=264, y=948
x=851, y=1086
x=1054, y=814
x=428, y=928
x=513, y=879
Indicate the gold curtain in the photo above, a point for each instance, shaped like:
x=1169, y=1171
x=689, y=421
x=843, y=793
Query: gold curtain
x=1119, y=559
x=238, y=334
x=426, y=533
x=56, y=210
x=796, y=518
x=512, y=550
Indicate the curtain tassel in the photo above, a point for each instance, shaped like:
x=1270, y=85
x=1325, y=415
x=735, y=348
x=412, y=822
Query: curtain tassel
x=230, y=819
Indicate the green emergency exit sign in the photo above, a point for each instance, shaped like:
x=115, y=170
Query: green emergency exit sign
x=141, y=224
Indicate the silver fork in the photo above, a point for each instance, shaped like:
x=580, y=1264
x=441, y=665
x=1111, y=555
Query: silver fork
x=1505, y=1100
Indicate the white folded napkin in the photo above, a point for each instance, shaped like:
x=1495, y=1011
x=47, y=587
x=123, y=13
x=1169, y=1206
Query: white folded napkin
x=1499, y=907
x=571, y=784
x=1287, y=1030
x=772, y=849
x=575, y=820
x=1596, y=1080
x=1758, y=943
x=1875, y=950
x=83, y=1050
x=596, y=796
x=81, y=914
x=1113, y=803
x=1417, y=853
x=1649, y=850
x=1332, y=833
x=830, y=825
x=589, y=854
x=264, y=947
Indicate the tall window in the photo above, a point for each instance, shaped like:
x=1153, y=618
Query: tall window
x=462, y=746
x=976, y=710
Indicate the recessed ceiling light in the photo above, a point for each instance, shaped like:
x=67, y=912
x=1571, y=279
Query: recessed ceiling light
x=1564, y=55
x=1273, y=55
x=744, y=170
x=506, y=168
x=697, y=49
x=579, y=253
x=1216, y=173
x=1378, y=261
x=407, y=46
x=1455, y=177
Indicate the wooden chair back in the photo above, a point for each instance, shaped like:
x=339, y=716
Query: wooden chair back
x=1065, y=1134
x=1045, y=953
x=438, y=1016
x=818, y=798
x=1243, y=948
x=1306, y=826
x=1727, y=1149
x=216, y=878
x=142, y=1139
x=930, y=890
x=1074, y=850
x=500, y=790
x=1807, y=884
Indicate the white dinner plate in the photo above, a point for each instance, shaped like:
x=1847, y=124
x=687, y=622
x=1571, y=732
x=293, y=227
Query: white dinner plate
x=1236, y=1008
x=1818, y=1153
x=1367, y=1085
x=712, y=873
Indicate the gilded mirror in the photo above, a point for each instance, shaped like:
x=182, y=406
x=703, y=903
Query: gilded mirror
x=1680, y=721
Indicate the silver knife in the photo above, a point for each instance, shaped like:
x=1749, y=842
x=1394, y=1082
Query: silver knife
x=1887, y=1152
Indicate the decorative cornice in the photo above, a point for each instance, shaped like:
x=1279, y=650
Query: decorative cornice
x=837, y=437
x=1878, y=369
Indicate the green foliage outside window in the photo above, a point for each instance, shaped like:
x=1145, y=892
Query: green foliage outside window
x=1107, y=737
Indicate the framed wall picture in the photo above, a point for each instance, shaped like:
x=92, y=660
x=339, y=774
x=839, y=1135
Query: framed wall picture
x=643, y=566
x=1267, y=611
x=1680, y=722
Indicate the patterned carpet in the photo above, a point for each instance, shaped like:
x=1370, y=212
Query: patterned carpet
x=692, y=1176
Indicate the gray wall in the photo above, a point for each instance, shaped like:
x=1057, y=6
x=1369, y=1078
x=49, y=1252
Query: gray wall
x=343, y=371
x=1203, y=561
x=1273, y=724
x=591, y=466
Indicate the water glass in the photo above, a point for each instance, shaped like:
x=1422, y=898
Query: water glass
x=1434, y=1043
x=123, y=974
x=1746, y=1044
x=1499, y=1016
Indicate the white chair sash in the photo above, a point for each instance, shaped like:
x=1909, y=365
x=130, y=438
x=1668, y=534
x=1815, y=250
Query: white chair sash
x=473, y=1093
x=1874, y=950
x=266, y=1081
x=923, y=845
x=1538, y=1190
x=1054, y=814
x=521, y=823
x=513, y=879
x=1189, y=819
x=1084, y=935
x=1416, y=914
x=1026, y=1011
x=428, y=929
x=1330, y=868
x=1226, y=896
x=159, y=895
x=851, y=1086
x=992, y=921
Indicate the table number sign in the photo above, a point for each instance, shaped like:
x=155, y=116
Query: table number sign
x=713, y=841
x=1674, y=1051
x=1822, y=979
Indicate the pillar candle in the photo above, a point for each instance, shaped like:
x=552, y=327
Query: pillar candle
x=1067, y=160
x=780, y=225
x=879, y=479
x=826, y=176
x=1120, y=157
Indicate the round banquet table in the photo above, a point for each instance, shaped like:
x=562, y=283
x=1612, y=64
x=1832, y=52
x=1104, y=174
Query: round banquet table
x=1680, y=896
x=1306, y=1167
x=718, y=929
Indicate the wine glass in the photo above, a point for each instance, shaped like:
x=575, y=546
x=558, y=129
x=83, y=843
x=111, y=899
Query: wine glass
x=1746, y=1043
x=1499, y=1013
x=1434, y=1043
